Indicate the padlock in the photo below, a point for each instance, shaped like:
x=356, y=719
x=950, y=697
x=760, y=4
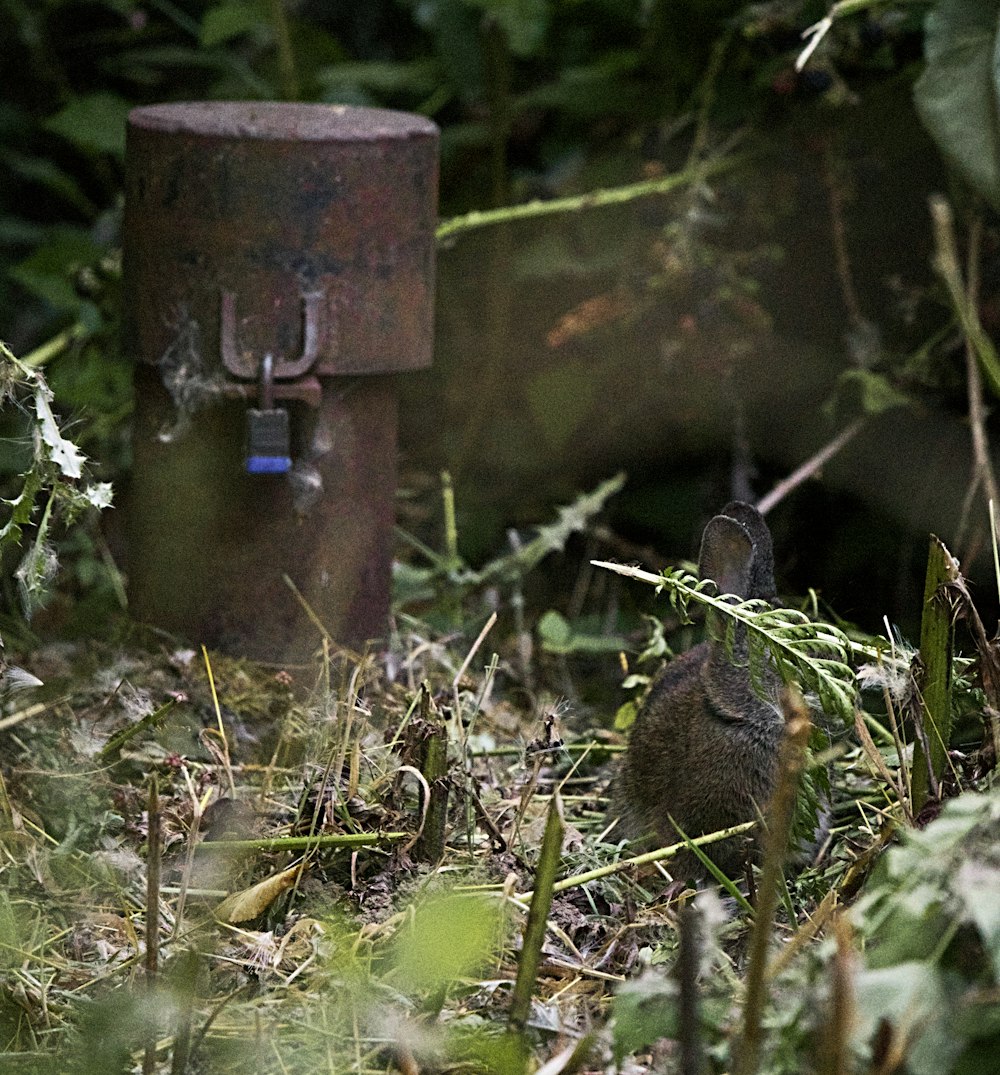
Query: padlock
x=268, y=441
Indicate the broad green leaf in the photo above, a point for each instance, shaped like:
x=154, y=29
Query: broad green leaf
x=554, y=631
x=956, y=95
x=625, y=716
x=226, y=21
x=94, y=122
x=910, y=998
x=48, y=271
x=447, y=938
x=524, y=22
x=978, y=886
x=559, y=400
x=645, y=1010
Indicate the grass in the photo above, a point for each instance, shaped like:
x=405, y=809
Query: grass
x=342, y=868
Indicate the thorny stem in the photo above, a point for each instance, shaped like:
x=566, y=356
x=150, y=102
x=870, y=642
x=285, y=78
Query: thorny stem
x=595, y=199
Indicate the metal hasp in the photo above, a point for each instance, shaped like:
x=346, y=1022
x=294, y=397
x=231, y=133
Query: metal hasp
x=279, y=270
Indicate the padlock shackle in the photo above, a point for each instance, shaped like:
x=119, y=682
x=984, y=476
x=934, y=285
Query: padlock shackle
x=315, y=330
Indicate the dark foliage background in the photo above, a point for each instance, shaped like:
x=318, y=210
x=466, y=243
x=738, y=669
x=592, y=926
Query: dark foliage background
x=707, y=342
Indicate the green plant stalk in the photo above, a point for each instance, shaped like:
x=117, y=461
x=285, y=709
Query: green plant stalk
x=835, y=1049
x=45, y=352
x=780, y=815
x=658, y=855
x=947, y=264
x=497, y=84
x=595, y=199
x=286, y=55
x=152, y=957
x=937, y=643
x=113, y=747
x=184, y=985
x=534, y=930
x=306, y=843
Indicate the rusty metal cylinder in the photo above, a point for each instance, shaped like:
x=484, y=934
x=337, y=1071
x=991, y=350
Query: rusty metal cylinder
x=279, y=274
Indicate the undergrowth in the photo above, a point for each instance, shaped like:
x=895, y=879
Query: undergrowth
x=276, y=825
x=404, y=860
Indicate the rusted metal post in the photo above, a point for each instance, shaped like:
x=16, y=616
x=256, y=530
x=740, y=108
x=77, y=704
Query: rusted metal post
x=279, y=269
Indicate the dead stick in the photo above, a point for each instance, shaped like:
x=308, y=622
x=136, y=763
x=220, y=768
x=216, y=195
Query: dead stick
x=811, y=466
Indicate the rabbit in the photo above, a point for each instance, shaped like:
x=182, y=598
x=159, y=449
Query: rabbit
x=704, y=747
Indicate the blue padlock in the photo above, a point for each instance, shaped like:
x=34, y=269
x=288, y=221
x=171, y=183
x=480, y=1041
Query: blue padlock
x=268, y=431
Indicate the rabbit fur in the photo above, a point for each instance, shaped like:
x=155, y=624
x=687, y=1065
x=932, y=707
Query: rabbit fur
x=704, y=747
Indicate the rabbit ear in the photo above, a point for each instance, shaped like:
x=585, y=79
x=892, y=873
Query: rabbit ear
x=727, y=552
x=761, y=576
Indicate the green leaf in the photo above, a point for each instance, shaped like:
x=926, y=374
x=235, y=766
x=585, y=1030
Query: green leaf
x=525, y=22
x=645, y=1010
x=815, y=653
x=448, y=937
x=876, y=392
x=35, y=573
x=625, y=716
x=911, y=998
x=978, y=887
x=94, y=122
x=550, y=538
x=956, y=95
x=557, y=635
x=48, y=271
x=559, y=400
x=229, y=20
x=554, y=631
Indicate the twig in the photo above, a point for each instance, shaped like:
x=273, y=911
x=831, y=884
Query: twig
x=811, y=466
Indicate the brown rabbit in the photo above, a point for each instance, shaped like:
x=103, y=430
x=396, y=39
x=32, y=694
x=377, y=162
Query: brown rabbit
x=704, y=746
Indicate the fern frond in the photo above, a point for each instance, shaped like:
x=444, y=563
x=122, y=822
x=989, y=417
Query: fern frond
x=814, y=653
